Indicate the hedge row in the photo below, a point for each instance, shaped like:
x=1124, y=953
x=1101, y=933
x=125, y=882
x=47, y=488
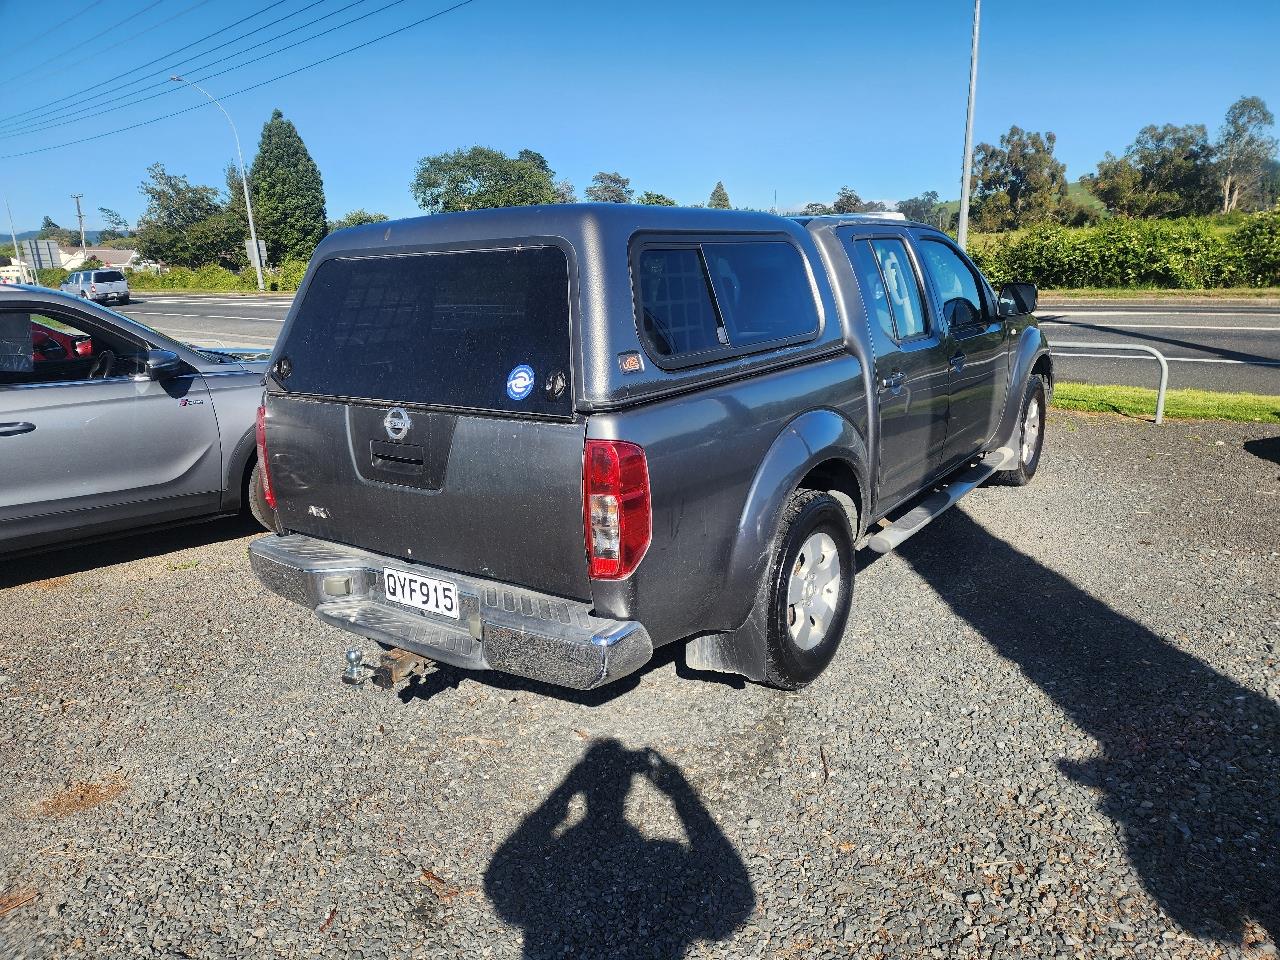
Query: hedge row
x=1175, y=254
x=217, y=279
x=1188, y=254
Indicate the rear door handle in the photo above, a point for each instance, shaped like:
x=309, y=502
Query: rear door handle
x=956, y=362
x=14, y=429
x=892, y=382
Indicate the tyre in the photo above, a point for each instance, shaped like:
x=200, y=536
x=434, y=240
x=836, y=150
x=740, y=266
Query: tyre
x=810, y=589
x=257, y=501
x=1030, y=436
x=124, y=299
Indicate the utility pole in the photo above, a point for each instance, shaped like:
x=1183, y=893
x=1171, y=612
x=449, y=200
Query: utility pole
x=80, y=216
x=963, y=233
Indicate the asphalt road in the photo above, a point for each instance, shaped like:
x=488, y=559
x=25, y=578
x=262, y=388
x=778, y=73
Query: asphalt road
x=1213, y=346
x=1052, y=731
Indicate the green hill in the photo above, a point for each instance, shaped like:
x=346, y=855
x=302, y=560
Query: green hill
x=1076, y=190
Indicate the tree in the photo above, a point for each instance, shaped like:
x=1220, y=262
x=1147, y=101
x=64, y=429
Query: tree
x=923, y=209
x=1018, y=183
x=719, y=198
x=564, y=192
x=1166, y=172
x=649, y=198
x=480, y=178
x=117, y=225
x=287, y=193
x=357, y=218
x=185, y=225
x=816, y=210
x=848, y=201
x=51, y=231
x=610, y=188
x=1243, y=152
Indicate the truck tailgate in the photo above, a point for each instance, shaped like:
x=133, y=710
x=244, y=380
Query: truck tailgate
x=496, y=498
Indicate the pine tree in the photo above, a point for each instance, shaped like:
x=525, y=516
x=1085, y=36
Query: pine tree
x=287, y=193
x=719, y=198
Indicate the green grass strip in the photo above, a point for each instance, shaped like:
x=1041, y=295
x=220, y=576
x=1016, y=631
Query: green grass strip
x=1178, y=404
x=1156, y=293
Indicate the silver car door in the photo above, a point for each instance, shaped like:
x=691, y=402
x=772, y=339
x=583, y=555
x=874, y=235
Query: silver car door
x=87, y=448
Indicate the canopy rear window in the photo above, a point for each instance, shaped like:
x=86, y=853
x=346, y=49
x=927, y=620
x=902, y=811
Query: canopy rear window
x=475, y=329
x=108, y=276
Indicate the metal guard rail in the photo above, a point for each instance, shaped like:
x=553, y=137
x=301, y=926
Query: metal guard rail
x=1164, y=365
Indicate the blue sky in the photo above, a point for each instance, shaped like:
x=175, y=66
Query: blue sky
x=797, y=97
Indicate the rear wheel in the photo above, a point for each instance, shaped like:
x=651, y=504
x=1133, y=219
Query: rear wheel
x=1029, y=440
x=810, y=589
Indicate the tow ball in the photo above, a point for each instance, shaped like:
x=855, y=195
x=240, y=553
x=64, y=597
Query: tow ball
x=394, y=666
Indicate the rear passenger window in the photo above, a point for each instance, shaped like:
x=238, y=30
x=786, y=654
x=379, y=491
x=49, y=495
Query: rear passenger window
x=903, y=286
x=716, y=299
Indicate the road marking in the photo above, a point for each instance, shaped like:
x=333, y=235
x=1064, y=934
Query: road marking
x=1148, y=313
x=204, y=316
x=1139, y=356
x=1157, y=326
x=204, y=334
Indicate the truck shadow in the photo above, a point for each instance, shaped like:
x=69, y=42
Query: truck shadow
x=1189, y=767
x=443, y=677
x=1265, y=448
x=598, y=887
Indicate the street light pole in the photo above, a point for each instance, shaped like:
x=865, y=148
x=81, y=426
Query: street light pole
x=17, y=254
x=244, y=178
x=963, y=232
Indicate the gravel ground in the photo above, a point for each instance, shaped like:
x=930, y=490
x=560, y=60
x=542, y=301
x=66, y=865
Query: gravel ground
x=1053, y=730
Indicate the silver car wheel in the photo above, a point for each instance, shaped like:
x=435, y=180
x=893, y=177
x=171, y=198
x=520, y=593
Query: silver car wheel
x=1030, y=431
x=813, y=591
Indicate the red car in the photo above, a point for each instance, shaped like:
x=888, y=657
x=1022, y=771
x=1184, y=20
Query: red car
x=50, y=344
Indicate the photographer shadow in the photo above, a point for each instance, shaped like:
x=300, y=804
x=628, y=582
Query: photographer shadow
x=1189, y=763
x=598, y=887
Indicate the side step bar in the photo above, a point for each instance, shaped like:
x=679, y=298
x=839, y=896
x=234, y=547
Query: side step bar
x=932, y=506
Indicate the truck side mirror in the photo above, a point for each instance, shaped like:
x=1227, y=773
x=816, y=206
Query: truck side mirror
x=1018, y=299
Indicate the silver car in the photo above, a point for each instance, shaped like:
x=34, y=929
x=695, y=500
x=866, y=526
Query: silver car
x=103, y=286
x=107, y=425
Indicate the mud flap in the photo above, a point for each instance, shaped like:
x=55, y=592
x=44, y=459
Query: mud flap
x=740, y=652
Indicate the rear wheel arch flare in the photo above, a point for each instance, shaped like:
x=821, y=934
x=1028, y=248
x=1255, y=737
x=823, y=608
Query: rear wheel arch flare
x=839, y=478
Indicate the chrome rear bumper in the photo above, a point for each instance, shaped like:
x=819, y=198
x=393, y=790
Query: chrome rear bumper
x=501, y=628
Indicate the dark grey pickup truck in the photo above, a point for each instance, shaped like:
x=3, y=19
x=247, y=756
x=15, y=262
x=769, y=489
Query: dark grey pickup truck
x=547, y=440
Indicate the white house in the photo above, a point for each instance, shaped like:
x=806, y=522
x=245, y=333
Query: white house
x=72, y=259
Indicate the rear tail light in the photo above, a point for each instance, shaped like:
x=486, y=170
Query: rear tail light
x=93, y=288
x=263, y=469
x=616, y=508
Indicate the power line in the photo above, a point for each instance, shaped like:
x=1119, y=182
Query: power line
x=98, y=105
x=254, y=86
x=207, y=36
x=101, y=33
x=131, y=37
x=62, y=23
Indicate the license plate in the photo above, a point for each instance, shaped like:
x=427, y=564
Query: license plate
x=422, y=593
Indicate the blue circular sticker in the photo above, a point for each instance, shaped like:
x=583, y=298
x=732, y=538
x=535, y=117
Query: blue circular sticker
x=520, y=382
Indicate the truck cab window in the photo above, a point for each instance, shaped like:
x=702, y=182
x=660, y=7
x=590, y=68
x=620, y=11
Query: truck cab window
x=956, y=286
